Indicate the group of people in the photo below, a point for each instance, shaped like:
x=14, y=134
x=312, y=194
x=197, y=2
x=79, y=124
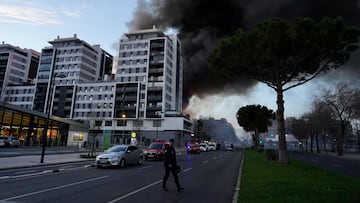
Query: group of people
x=171, y=166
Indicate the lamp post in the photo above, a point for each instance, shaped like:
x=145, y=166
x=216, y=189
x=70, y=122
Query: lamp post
x=48, y=109
x=124, y=124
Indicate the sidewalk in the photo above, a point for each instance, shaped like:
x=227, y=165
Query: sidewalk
x=34, y=160
x=21, y=157
x=28, y=157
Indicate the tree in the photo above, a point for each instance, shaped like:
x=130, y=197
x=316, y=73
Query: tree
x=320, y=122
x=300, y=131
x=343, y=102
x=255, y=118
x=284, y=55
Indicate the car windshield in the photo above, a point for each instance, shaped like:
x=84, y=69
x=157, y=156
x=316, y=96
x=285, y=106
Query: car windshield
x=203, y=145
x=117, y=149
x=155, y=146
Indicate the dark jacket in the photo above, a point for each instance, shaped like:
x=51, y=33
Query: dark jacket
x=170, y=156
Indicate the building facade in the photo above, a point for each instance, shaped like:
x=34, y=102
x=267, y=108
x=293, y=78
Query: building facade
x=141, y=103
x=18, y=68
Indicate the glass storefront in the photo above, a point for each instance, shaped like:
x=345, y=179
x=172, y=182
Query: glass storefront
x=29, y=126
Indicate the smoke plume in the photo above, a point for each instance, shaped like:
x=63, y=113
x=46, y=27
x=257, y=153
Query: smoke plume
x=201, y=25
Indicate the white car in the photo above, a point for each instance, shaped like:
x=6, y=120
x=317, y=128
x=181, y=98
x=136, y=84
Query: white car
x=204, y=147
x=212, y=147
x=120, y=155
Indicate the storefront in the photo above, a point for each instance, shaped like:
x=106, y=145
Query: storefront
x=29, y=127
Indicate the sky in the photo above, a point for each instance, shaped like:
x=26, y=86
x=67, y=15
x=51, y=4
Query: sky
x=32, y=23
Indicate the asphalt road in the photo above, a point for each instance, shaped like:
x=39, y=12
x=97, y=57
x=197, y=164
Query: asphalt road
x=207, y=177
x=343, y=165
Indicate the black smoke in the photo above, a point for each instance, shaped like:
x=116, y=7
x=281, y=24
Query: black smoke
x=201, y=25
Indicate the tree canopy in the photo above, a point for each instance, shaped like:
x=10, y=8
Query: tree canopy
x=284, y=55
x=255, y=118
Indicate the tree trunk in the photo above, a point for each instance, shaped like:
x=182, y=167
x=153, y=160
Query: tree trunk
x=283, y=154
x=311, y=141
x=317, y=142
x=341, y=138
x=255, y=141
x=324, y=138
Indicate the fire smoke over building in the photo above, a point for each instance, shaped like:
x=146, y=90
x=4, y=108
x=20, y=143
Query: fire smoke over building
x=201, y=25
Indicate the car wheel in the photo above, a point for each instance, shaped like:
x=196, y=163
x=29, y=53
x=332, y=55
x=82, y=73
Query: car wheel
x=122, y=163
x=139, y=162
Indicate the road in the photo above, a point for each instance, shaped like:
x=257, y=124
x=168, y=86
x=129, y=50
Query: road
x=207, y=177
x=344, y=165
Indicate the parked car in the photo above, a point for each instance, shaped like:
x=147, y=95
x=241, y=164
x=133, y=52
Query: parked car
x=12, y=142
x=193, y=148
x=6, y=141
x=204, y=147
x=3, y=141
x=155, y=151
x=119, y=155
x=212, y=146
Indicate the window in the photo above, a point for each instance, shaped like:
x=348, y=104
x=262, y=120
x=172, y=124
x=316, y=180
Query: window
x=108, y=123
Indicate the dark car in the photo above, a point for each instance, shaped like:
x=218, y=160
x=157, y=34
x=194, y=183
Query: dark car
x=155, y=151
x=193, y=148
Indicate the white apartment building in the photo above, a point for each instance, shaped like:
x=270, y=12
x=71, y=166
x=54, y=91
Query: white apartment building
x=141, y=103
x=69, y=61
x=18, y=68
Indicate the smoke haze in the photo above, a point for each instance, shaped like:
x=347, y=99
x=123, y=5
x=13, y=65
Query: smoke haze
x=201, y=25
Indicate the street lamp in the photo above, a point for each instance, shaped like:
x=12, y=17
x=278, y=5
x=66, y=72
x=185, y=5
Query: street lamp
x=48, y=109
x=124, y=120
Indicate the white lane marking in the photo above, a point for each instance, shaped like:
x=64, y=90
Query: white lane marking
x=337, y=165
x=22, y=172
x=30, y=174
x=145, y=167
x=136, y=191
x=4, y=177
x=141, y=189
x=215, y=157
x=204, y=162
x=54, y=188
x=186, y=170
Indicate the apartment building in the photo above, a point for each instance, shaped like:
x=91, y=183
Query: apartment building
x=18, y=67
x=142, y=102
x=69, y=61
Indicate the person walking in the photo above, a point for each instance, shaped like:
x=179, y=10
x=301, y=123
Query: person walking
x=170, y=164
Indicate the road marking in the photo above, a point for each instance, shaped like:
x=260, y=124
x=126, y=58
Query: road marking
x=141, y=189
x=215, y=158
x=4, y=177
x=54, y=188
x=22, y=172
x=204, y=162
x=145, y=167
x=186, y=170
x=136, y=191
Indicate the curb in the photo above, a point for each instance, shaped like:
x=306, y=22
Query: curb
x=235, y=198
x=43, y=164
